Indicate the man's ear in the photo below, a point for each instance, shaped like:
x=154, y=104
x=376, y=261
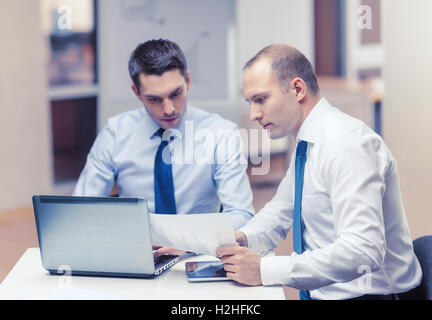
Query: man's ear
x=299, y=86
x=136, y=91
x=188, y=79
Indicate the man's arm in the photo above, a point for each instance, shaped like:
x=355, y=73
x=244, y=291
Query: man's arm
x=230, y=176
x=97, y=177
x=262, y=234
x=270, y=226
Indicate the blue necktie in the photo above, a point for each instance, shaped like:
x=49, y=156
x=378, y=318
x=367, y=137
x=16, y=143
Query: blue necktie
x=163, y=180
x=300, y=161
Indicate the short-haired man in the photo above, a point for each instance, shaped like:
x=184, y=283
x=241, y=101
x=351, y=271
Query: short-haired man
x=152, y=152
x=341, y=195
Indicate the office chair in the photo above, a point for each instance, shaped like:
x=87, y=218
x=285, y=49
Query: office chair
x=423, y=251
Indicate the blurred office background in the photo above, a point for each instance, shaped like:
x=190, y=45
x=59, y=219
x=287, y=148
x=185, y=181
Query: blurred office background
x=63, y=73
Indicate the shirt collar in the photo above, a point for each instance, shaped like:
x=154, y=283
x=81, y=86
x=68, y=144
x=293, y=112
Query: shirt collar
x=312, y=128
x=148, y=126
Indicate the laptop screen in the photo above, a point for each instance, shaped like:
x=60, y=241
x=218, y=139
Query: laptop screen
x=94, y=235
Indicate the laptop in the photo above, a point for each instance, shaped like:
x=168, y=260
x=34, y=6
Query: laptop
x=97, y=236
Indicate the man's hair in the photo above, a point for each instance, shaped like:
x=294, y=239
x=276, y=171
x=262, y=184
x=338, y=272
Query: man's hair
x=155, y=57
x=287, y=63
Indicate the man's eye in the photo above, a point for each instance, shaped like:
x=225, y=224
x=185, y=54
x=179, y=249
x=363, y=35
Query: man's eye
x=175, y=95
x=153, y=100
x=260, y=100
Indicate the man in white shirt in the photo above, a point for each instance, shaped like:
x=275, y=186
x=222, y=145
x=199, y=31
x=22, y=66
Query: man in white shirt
x=178, y=157
x=353, y=239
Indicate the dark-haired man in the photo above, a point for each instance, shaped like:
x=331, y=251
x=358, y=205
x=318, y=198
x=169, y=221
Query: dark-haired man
x=176, y=156
x=340, y=195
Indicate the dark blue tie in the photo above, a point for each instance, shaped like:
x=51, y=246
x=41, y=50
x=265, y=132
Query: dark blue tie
x=163, y=179
x=300, y=162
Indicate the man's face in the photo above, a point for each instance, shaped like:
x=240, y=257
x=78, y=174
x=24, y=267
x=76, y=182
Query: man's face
x=164, y=96
x=275, y=110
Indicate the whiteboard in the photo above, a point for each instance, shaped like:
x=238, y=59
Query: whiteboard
x=199, y=27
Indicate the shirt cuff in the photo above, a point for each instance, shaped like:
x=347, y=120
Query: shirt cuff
x=275, y=270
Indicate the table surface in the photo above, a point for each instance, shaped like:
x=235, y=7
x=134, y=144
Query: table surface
x=29, y=280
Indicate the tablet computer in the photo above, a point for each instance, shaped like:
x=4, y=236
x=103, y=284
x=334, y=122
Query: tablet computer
x=205, y=271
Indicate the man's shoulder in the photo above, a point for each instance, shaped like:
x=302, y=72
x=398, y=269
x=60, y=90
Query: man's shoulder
x=341, y=129
x=127, y=117
x=337, y=129
x=345, y=136
x=125, y=122
x=339, y=123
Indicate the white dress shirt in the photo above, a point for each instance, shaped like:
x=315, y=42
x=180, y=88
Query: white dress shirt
x=207, y=172
x=356, y=237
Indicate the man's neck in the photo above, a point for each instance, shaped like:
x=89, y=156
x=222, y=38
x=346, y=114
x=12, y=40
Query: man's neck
x=309, y=103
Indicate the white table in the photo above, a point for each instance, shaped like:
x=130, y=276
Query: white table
x=28, y=280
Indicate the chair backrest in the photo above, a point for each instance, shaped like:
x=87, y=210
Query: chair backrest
x=423, y=251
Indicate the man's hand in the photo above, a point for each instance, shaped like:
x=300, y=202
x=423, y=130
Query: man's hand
x=242, y=264
x=165, y=250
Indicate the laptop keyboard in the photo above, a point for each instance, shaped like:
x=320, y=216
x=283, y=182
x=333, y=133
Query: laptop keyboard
x=163, y=259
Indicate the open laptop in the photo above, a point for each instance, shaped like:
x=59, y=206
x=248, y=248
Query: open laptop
x=96, y=236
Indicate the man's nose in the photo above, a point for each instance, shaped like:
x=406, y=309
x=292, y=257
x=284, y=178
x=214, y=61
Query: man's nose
x=255, y=114
x=168, y=107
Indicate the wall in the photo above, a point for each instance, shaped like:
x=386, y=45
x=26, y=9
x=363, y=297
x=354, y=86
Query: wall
x=407, y=107
x=256, y=23
x=260, y=23
x=25, y=161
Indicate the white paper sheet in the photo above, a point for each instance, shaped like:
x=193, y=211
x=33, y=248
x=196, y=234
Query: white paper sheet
x=199, y=233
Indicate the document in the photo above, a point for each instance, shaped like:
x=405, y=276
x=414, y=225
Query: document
x=200, y=233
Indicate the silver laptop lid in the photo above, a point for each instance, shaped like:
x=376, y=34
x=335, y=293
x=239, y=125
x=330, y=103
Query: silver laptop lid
x=94, y=235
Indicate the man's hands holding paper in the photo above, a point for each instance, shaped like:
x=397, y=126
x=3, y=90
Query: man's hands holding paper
x=212, y=234
x=241, y=263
